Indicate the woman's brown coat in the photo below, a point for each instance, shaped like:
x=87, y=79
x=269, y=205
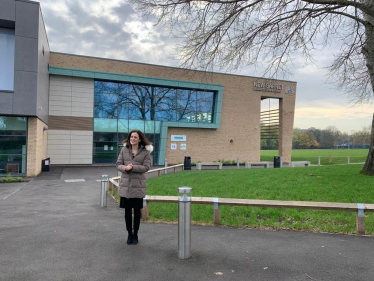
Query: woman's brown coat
x=133, y=183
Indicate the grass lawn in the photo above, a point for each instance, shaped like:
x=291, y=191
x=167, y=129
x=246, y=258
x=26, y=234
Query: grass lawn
x=338, y=156
x=341, y=183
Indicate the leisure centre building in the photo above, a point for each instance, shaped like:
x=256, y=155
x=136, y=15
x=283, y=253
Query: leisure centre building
x=76, y=110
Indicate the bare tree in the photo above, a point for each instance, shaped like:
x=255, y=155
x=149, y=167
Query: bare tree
x=234, y=33
x=330, y=137
x=361, y=137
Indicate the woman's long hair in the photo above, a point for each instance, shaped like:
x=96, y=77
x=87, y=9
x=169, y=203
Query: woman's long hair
x=143, y=140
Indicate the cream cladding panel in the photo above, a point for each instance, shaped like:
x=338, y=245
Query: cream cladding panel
x=70, y=146
x=71, y=96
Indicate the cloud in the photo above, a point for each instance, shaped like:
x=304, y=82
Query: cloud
x=322, y=109
x=106, y=29
x=321, y=114
x=111, y=29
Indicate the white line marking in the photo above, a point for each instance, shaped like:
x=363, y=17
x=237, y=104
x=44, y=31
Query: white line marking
x=76, y=180
x=15, y=191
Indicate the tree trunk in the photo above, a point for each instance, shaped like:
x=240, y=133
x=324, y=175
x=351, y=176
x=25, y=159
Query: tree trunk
x=368, y=51
x=368, y=168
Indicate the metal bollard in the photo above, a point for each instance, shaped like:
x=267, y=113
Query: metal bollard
x=237, y=162
x=184, y=222
x=166, y=165
x=319, y=160
x=104, y=188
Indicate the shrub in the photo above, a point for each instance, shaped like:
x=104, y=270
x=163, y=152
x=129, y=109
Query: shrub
x=9, y=178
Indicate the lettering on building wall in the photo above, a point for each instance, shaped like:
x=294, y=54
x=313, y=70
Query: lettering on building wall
x=178, y=138
x=267, y=87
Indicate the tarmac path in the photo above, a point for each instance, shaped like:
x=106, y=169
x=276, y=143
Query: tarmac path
x=54, y=230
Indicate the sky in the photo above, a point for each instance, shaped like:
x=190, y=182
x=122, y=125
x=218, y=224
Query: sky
x=111, y=29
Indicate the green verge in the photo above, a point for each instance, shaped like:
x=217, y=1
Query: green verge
x=10, y=179
x=341, y=183
x=338, y=156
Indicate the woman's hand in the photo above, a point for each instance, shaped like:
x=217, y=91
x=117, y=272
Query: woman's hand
x=128, y=167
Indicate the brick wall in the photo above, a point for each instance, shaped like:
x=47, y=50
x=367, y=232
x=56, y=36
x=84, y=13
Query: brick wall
x=240, y=119
x=36, y=146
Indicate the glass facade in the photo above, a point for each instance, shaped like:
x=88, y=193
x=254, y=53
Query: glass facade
x=13, y=141
x=6, y=59
x=122, y=107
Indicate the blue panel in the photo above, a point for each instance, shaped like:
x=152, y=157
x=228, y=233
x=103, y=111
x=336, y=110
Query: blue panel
x=163, y=140
x=105, y=125
x=161, y=154
x=123, y=125
x=60, y=71
x=187, y=125
x=83, y=74
x=208, y=126
x=169, y=124
x=137, y=80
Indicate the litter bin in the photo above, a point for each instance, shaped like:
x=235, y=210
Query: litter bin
x=187, y=163
x=277, y=162
x=45, y=164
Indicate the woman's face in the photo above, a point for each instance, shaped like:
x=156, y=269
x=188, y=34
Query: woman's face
x=134, y=139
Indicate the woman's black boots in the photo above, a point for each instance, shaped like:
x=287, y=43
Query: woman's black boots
x=130, y=239
x=135, y=238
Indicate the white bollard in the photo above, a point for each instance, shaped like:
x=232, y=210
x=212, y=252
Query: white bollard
x=319, y=160
x=166, y=165
x=237, y=162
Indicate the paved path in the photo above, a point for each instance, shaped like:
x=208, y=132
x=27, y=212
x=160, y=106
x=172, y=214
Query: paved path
x=53, y=230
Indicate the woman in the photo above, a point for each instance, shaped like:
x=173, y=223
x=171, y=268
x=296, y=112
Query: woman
x=133, y=161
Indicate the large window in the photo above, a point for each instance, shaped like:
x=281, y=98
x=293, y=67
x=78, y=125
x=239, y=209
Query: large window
x=122, y=107
x=145, y=102
x=6, y=59
x=13, y=137
x=109, y=134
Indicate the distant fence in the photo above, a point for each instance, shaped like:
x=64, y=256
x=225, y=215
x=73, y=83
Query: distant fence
x=332, y=160
x=325, y=160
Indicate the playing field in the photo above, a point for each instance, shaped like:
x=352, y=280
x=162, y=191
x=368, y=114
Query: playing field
x=333, y=183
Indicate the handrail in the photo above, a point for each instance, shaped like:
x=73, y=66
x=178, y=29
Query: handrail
x=350, y=207
x=152, y=171
x=166, y=168
x=112, y=181
x=216, y=202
